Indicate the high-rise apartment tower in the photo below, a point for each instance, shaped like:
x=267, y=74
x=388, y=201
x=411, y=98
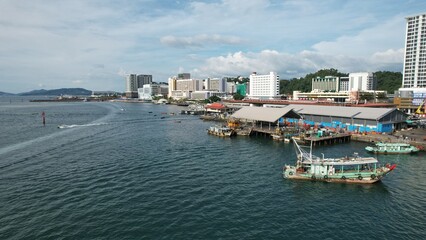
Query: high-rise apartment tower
x=414, y=74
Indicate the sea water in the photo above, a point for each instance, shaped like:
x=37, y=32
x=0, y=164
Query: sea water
x=143, y=171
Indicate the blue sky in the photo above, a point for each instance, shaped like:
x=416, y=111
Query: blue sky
x=93, y=43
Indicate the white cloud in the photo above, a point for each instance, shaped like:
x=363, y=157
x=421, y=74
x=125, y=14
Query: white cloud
x=98, y=42
x=199, y=40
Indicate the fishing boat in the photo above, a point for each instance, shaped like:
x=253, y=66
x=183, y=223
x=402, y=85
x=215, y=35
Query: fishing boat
x=221, y=131
x=354, y=169
x=392, y=148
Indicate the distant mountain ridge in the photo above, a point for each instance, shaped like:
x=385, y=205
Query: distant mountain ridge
x=58, y=92
x=6, y=94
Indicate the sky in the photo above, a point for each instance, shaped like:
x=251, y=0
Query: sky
x=93, y=44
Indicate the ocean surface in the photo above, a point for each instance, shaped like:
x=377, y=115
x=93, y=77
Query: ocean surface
x=136, y=171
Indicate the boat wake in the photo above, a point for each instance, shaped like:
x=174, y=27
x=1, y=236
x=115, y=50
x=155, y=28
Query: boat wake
x=81, y=125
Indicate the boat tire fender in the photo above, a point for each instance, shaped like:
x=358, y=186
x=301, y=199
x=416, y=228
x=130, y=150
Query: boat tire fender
x=360, y=177
x=325, y=177
x=373, y=176
x=343, y=177
x=313, y=177
x=290, y=173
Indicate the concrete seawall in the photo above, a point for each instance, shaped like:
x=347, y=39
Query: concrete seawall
x=414, y=137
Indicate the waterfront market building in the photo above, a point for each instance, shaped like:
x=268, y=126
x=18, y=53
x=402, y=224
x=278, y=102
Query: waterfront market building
x=354, y=119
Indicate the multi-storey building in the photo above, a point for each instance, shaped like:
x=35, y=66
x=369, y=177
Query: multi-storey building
x=188, y=85
x=134, y=81
x=131, y=86
x=414, y=74
x=344, y=84
x=264, y=86
x=150, y=90
x=184, y=76
x=327, y=83
x=172, y=85
x=180, y=87
x=144, y=79
x=215, y=84
x=362, y=81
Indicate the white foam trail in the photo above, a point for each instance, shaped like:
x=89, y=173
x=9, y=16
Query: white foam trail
x=81, y=125
x=58, y=133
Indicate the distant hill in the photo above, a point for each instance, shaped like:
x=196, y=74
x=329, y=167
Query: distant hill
x=58, y=92
x=6, y=94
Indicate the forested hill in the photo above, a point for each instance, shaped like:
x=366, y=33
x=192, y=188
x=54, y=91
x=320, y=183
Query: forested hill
x=388, y=81
x=6, y=94
x=58, y=92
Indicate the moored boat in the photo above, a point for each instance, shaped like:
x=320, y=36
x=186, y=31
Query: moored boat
x=392, y=148
x=353, y=169
x=221, y=131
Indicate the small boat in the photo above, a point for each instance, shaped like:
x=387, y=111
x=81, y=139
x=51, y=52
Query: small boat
x=277, y=137
x=221, y=131
x=353, y=169
x=392, y=148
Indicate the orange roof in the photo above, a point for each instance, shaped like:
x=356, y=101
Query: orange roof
x=215, y=105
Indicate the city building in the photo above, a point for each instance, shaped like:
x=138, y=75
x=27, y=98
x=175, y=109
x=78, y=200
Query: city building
x=144, y=79
x=105, y=93
x=188, y=85
x=182, y=87
x=148, y=91
x=264, y=86
x=131, y=86
x=134, y=81
x=201, y=95
x=216, y=84
x=241, y=88
x=414, y=73
x=344, y=84
x=410, y=100
x=179, y=94
x=172, y=85
x=184, y=76
x=358, y=119
x=362, y=81
x=230, y=88
x=411, y=97
x=327, y=83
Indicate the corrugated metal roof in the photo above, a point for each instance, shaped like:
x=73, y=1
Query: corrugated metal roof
x=264, y=114
x=348, y=112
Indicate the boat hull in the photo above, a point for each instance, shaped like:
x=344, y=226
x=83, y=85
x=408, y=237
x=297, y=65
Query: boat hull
x=336, y=180
x=289, y=172
x=221, y=134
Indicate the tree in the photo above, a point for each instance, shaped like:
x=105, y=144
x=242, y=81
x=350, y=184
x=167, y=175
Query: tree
x=381, y=96
x=238, y=96
x=214, y=99
x=366, y=96
x=388, y=81
x=305, y=84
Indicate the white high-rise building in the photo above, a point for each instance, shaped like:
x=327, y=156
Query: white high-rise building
x=362, y=81
x=218, y=84
x=414, y=74
x=131, y=86
x=172, y=85
x=264, y=86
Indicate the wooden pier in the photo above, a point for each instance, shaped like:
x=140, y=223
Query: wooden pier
x=328, y=140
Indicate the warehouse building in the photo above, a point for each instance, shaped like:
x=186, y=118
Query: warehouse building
x=358, y=119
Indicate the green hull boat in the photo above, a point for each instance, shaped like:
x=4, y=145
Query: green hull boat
x=392, y=148
x=353, y=169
